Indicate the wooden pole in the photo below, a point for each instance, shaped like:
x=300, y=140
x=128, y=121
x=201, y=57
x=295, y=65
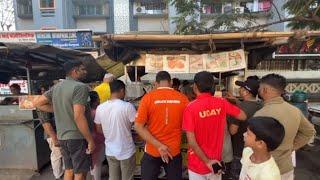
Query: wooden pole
x=202, y=37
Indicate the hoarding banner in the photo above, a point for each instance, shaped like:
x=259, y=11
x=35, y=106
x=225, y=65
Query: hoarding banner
x=15, y=37
x=81, y=39
x=5, y=88
x=62, y=39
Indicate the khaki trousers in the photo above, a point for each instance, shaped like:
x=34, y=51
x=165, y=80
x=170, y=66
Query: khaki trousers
x=56, y=159
x=121, y=169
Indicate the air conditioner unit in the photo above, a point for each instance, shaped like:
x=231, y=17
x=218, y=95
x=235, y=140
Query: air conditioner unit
x=239, y=10
x=140, y=10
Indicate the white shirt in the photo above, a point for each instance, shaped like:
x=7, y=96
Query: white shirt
x=116, y=118
x=267, y=170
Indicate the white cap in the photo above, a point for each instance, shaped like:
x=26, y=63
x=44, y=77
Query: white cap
x=108, y=75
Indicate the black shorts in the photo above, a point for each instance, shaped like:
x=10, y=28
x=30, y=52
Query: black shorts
x=150, y=167
x=74, y=155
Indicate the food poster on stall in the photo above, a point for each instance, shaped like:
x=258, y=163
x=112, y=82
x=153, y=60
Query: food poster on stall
x=182, y=63
x=237, y=59
x=176, y=63
x=196, y=63
x=217, y=62
x=154, y=63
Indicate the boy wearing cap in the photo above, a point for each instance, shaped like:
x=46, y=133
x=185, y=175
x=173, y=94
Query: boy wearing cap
x=103, y=89
x=248, y=92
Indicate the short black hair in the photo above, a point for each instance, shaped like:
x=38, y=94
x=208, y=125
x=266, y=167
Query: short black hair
x=267, y=129
x=117, y=86
x=163, y=76
x=15, y=86
x=175, y=82
x=204, y=81
x=70, y=65
x=255, y=77
x=275, y=80
x=46, y=87
x=185, y=83
x=94, y=97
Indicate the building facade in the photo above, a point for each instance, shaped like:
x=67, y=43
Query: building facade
x=96, y=15
x=124, y=16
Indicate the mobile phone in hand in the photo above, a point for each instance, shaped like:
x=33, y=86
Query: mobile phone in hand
x=216, y=167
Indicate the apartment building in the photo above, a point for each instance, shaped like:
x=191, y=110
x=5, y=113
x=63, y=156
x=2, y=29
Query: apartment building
x=96, y=15
x=125, y=16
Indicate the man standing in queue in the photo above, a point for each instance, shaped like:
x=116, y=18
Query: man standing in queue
x=298, y=130
x=158, y=122
x=69, y=100
x=204, y=121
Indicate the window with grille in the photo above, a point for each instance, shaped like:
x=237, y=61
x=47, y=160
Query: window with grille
x=90, y=10
x=154, y=5
x=47, y=4
x=248, y=6
x=24, y=8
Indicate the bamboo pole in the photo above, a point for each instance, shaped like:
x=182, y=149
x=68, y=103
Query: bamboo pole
x=202, y=37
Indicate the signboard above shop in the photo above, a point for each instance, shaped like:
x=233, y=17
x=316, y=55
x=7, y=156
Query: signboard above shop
x=5, y=88
x=74, y=39
x=184, y=63
x=16, y=37
x=295, y=49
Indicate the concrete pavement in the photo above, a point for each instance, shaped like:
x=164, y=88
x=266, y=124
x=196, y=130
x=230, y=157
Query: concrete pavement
x=308, y=167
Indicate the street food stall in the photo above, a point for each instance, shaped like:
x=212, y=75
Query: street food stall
x=22, y=145
x=229, y=56
x=258, y=47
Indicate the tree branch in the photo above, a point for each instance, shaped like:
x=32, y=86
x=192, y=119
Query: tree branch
x=305, y=7
x=266, y=25
x=316, y=11
x=277, y=10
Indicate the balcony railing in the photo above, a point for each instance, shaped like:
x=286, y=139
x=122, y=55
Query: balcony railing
x=92, y=11
x=253, y=7
x=150, y=8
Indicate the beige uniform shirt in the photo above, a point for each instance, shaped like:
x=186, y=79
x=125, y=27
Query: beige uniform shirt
x=298, y=130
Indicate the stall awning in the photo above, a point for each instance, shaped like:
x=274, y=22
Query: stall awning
x=44, y=62
x=128, y=47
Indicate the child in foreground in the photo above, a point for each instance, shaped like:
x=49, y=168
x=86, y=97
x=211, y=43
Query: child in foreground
x=264, y=134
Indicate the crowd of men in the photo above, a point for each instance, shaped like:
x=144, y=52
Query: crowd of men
x=263, y=135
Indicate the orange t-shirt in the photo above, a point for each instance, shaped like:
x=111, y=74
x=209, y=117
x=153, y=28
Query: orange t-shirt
x=162, y=111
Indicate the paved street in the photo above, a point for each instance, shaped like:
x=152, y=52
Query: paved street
x=308, y=165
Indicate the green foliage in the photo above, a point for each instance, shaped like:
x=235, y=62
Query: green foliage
x=306, y=9
x=188, y=19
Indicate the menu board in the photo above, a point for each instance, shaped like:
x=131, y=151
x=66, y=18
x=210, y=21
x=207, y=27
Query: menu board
x=214, y=62
x=236, y=59
x=154, y=63
x=217, y=62
x=176, y=63
x=196, y=63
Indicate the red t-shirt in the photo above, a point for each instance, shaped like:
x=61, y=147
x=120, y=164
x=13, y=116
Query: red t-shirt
x=206, y=117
